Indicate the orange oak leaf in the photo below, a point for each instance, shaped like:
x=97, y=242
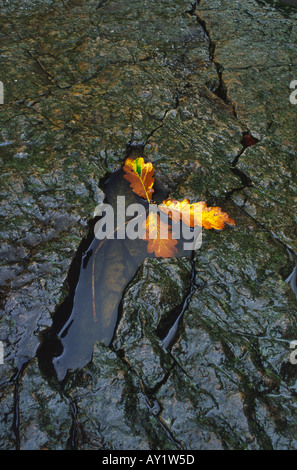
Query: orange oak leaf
x=196, y=214
x=159, y=237
x=214, y=217
x=178, y=210
x=140, y=176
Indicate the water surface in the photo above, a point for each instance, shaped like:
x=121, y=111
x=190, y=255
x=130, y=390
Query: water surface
x=106, y=268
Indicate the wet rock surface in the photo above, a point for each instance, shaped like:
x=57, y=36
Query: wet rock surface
x=185, y=82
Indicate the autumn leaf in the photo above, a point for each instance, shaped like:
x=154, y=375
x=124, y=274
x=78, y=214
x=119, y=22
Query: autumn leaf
x=196, y=214
x=140, y=176
x=178, y=210
x=159, y=237
x=214, y=217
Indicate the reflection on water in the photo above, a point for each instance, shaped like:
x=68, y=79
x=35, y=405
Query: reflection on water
x=114, y=267
x=106, y=268
x=292, y=280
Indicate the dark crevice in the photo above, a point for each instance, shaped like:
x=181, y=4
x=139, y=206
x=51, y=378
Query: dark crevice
x=152, y=403
x=101, y=4
x=194, y=5
x=246, y=181
x=22, y=364
x=136, y=147
x=154, y=130
x=236, y=159
x=155, y=409
x=230, y=193
x=152, y=391
x=16, y=408
x=50, y=343
x=247, y=141
x=168, y=327
x=162, y=121
x=72, y=441
x=16, y=417
x=168, y=433
x=221, y=91
x=292, y=279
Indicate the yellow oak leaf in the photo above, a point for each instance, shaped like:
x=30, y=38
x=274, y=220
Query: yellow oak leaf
x=140, y=176
x=196, y=214
x=159, y=237
x=214, y=217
